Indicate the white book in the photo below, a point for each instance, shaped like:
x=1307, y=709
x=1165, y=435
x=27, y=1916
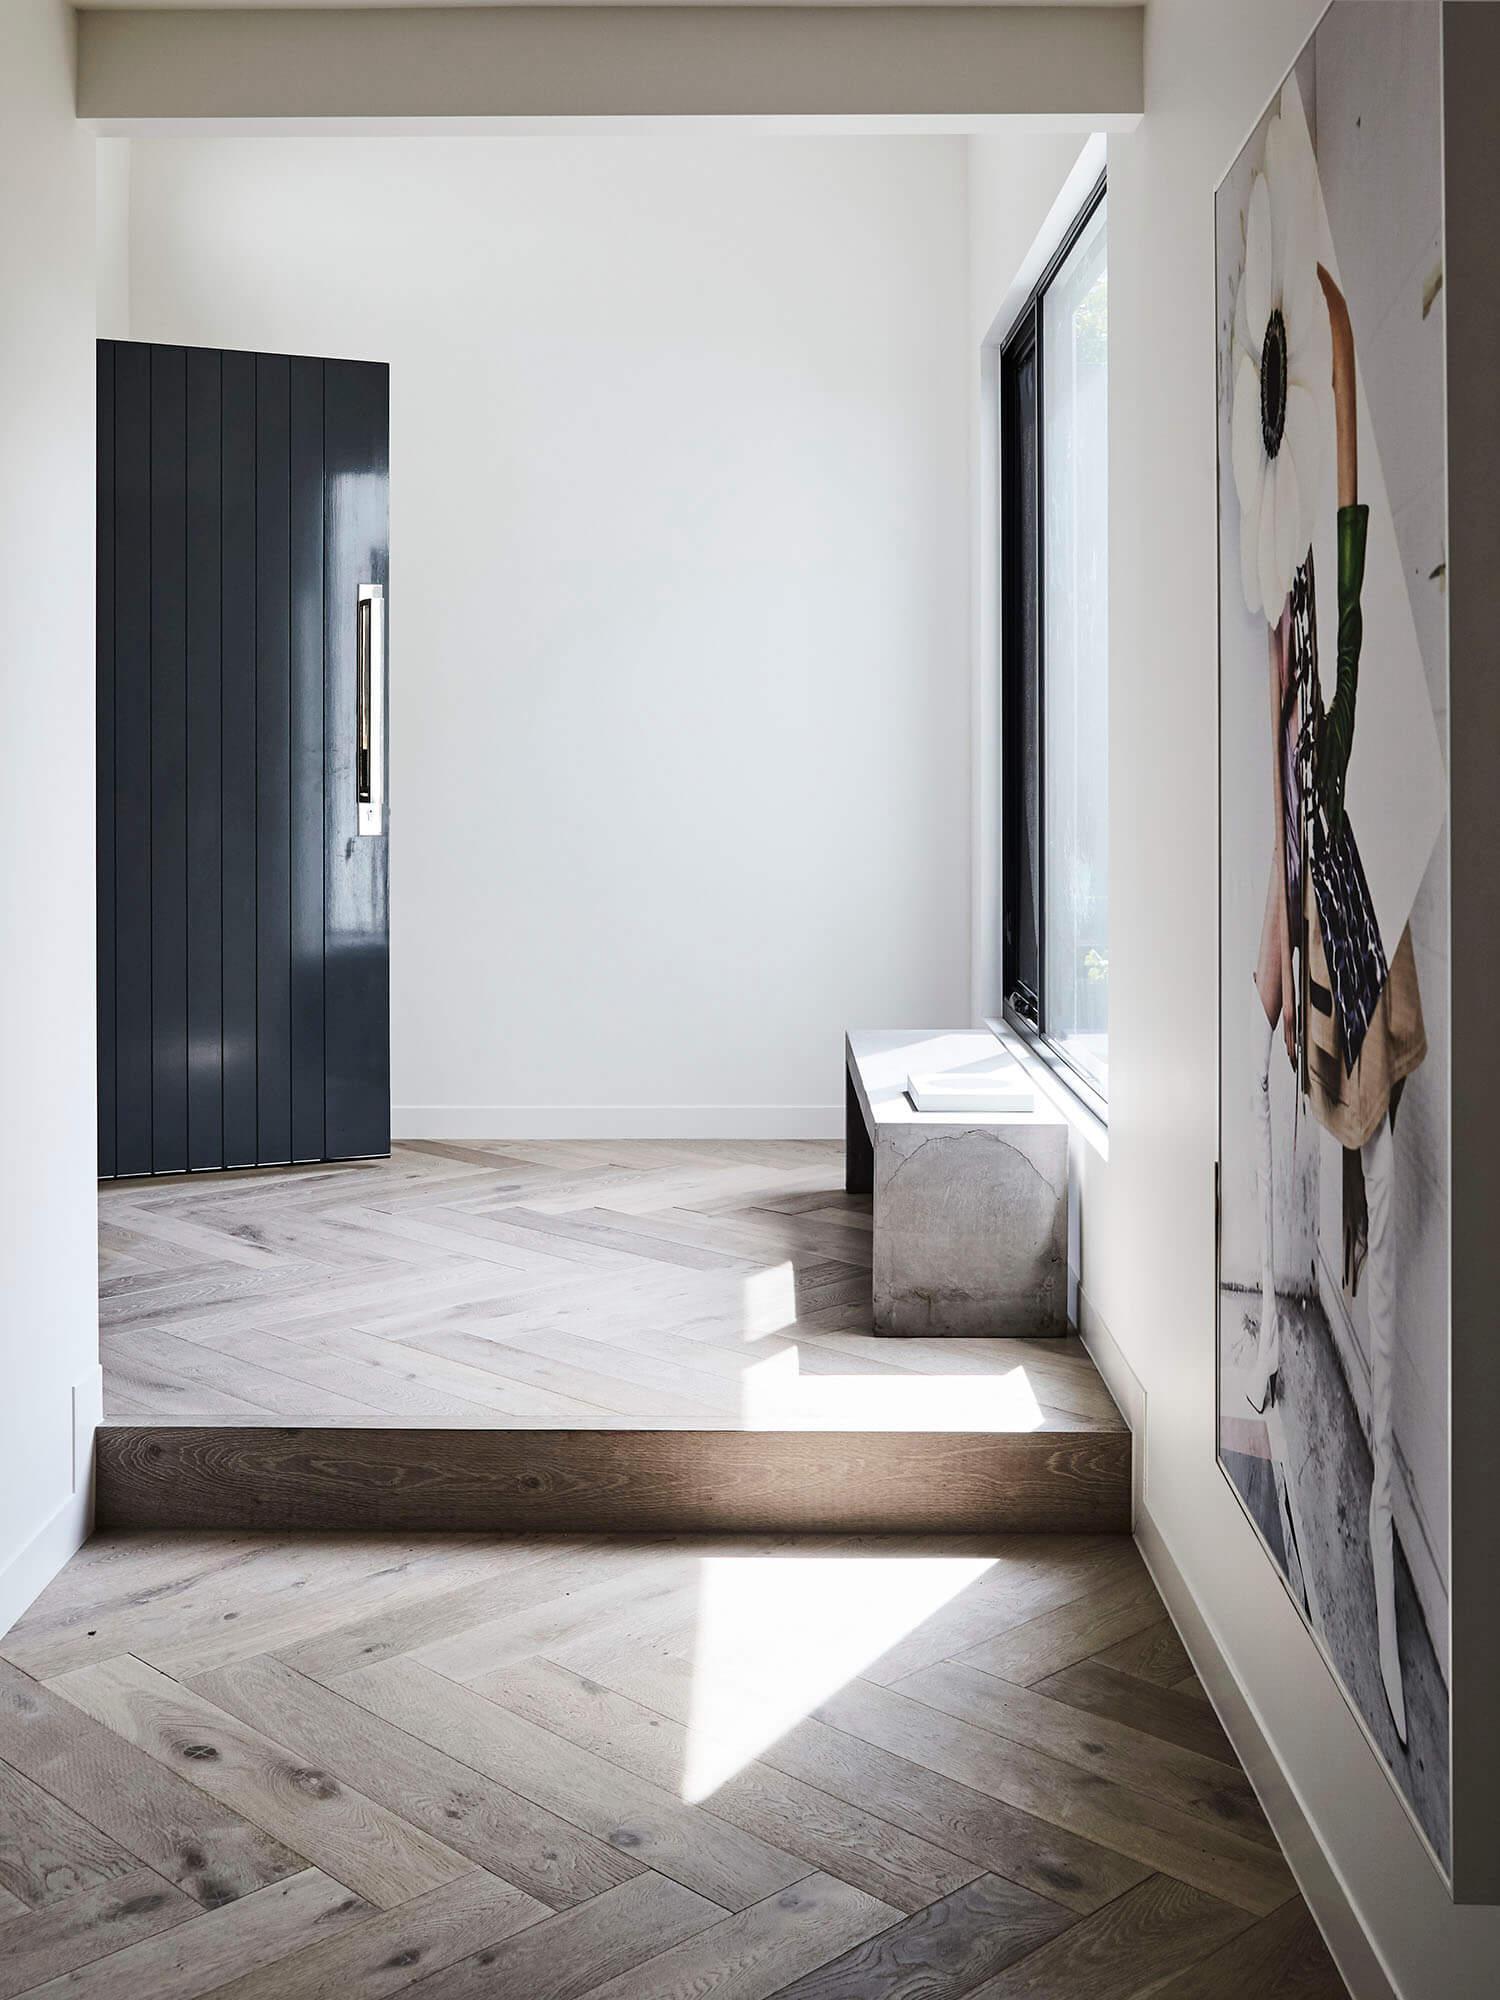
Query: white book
x=1002, y=1087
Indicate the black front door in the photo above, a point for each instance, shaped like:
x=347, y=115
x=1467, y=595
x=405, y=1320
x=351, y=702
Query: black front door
x=244, y=1009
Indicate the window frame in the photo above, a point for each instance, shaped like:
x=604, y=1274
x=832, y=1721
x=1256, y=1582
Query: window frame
x=1023, y=1011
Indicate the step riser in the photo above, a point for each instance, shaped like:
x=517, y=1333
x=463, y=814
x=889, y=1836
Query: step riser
x=581, y=1481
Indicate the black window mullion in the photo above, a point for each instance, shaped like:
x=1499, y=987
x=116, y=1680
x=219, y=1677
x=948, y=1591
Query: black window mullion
x=1039, y=643
x=1023, y=680
x=1020, y=712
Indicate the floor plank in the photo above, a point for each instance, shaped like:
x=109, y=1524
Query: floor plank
x=580, y=1949
x=542, y=1570
x=391, y=1950
x=212, y=1852
x=522, y=1843
x=1153, y=1654
x=197, y=1957
x=1283, y=1957
x=1124, y=1949
x=941, y=1952
x=757, y=1951
x=379, y=1855
x=48, y=1853
x=247, y=1595
x=578, y=1599
x=1178, y=1718
x=99, y=1923
x=1066, y=1633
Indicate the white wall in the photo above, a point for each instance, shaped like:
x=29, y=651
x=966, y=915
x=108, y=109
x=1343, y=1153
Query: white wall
x=112, y=236
x=48, y=1317
x=679, y=545
x=1148, y=1220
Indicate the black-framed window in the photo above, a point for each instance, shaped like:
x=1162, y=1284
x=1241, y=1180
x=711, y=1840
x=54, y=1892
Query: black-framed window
x=1054, y=631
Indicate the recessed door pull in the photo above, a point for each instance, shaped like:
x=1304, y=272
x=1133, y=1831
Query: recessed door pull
x=369, y=750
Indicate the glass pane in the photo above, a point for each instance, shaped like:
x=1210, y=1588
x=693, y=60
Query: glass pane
x=1022, y=787
x=1075, y=654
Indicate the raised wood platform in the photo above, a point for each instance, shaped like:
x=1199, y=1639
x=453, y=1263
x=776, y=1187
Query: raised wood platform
x=614, y=1480
x=608, y=1336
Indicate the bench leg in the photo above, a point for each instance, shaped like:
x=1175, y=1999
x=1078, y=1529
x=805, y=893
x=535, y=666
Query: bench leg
x=859, y=1154
x=971, y=1231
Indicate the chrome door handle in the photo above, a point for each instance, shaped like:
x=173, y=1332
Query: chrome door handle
x=369, y=740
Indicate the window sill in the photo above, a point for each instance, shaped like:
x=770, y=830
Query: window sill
x=1056, y=1083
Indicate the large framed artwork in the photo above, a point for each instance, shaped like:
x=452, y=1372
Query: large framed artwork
x=1336, y=1159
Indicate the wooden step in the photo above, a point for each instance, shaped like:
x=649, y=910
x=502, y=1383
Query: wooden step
x=1065, y=1476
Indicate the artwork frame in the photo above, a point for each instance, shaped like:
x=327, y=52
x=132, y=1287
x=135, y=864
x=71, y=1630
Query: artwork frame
x=1405, y=1403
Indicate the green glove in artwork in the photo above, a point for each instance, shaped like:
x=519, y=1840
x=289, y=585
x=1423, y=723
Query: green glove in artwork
x=1336, y=738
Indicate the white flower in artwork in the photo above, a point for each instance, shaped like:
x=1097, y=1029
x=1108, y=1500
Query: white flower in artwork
x=1282, y=409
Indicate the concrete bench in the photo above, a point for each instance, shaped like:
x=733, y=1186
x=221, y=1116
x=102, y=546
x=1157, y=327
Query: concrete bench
x=971, y=1207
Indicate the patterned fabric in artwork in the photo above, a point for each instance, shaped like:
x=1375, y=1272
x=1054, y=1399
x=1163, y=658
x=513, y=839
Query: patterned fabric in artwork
x=1338, y=729
x=1349, y=1104
x=1351, y=938
x=1301, y=690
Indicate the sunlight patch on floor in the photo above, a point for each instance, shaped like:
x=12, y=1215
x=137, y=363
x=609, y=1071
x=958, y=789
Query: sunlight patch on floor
x=770, y=1301
x=777, y=1635
x=776, y=1394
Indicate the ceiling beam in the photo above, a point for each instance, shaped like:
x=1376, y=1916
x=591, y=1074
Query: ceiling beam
x=923, y=68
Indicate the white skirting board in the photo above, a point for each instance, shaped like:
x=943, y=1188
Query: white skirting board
x=1316, y=1874
x=617, y=1121
x=31, y=1569
x=68, y=1527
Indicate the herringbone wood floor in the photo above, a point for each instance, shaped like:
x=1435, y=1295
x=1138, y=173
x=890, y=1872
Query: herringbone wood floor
x=711, y=1284
x=451, y=1767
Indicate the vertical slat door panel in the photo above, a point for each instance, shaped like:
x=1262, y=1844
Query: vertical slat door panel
x=168, y=761
x=237, y=756
x=104, y=768
x=243, y=977
x=132, y=721
x=356, y=965
x=306, y=734
x=273, y=818
x=205, y=943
